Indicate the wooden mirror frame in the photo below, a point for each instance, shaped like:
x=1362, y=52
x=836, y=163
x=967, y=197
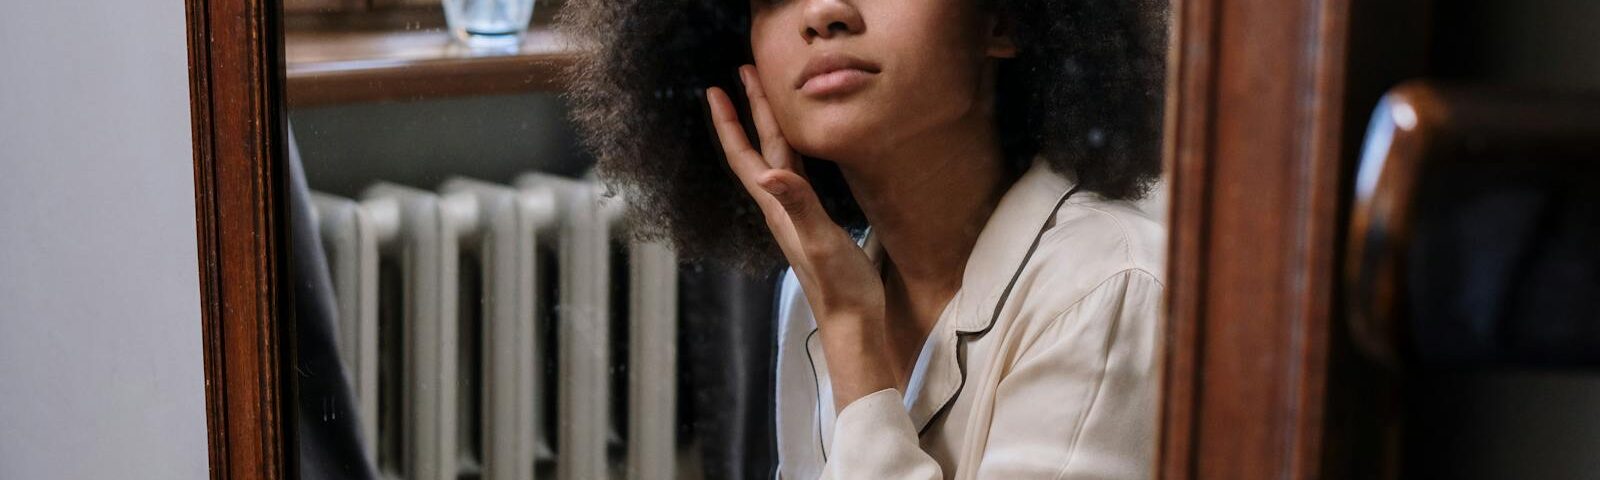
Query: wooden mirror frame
x=1253, y=146
x=1256, y=147
x=235, y=81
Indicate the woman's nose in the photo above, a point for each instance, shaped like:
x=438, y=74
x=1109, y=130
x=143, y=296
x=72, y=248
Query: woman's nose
x=826, y=18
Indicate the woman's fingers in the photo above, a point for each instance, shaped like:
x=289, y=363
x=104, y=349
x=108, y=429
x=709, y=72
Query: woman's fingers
x=794, y=213
x=814, y=231
x=774, y=147
x=838, y=278
x=745, y=160
x=795, y=195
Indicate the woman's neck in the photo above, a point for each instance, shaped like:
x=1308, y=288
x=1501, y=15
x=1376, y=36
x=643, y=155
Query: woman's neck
x=927, y=200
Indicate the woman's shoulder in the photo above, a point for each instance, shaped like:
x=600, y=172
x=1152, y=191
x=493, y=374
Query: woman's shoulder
x=1094, y=242
x=1125, y=236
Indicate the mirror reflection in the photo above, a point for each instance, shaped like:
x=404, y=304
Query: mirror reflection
x=726, y=239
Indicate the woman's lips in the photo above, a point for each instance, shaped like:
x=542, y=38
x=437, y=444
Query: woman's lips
x=837, y=82
x=834, y=73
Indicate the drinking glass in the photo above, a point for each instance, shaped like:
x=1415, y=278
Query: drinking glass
x=488, y=23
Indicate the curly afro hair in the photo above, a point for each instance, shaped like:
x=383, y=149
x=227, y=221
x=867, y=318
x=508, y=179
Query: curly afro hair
x=1084, y=93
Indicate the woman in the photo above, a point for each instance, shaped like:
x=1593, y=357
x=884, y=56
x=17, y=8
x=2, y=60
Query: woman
x=999, y=316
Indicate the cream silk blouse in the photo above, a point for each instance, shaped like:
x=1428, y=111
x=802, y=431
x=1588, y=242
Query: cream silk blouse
x=1043, y=365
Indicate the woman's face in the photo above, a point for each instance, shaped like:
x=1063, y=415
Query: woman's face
x=850, y=78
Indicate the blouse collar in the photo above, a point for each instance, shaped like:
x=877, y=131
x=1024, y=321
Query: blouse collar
x=1018, y=221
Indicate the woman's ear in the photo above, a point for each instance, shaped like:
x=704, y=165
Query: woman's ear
x=998, y=37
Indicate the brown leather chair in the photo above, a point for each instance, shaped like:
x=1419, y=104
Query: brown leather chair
x=1475, y=234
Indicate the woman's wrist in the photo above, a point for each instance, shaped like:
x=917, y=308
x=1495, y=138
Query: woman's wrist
x=857, y=360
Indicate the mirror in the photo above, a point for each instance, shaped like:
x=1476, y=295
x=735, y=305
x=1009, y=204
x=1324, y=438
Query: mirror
x=521, y=247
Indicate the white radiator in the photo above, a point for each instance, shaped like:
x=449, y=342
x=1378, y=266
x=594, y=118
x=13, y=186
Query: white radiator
x=442, y=298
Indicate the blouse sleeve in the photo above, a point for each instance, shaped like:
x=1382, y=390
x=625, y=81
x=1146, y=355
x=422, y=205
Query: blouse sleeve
x=1079, y=402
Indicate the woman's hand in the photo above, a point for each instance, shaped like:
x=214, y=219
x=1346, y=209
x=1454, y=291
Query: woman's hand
x=844, y=290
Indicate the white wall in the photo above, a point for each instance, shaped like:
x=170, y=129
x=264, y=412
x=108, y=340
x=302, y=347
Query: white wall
x=100, y=358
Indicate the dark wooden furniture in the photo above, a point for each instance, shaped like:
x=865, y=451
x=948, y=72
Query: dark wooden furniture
x=1470, y=260
x=1504, y=158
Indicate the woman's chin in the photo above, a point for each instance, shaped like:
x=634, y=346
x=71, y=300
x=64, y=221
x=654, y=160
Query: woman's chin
x=836, y=142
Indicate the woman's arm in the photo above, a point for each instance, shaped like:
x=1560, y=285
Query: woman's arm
x=844, y=290
x=1078, y=403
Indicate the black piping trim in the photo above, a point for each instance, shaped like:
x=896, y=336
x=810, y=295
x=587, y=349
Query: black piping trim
x=816, y=384
x=961, y=346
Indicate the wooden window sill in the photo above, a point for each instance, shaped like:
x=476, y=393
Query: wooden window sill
x=344, y=66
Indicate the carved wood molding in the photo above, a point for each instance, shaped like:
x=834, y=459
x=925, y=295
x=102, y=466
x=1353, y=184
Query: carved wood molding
x=1256, y=108
x=234, y=80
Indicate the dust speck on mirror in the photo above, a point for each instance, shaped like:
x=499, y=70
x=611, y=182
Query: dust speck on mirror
x=725, y=239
